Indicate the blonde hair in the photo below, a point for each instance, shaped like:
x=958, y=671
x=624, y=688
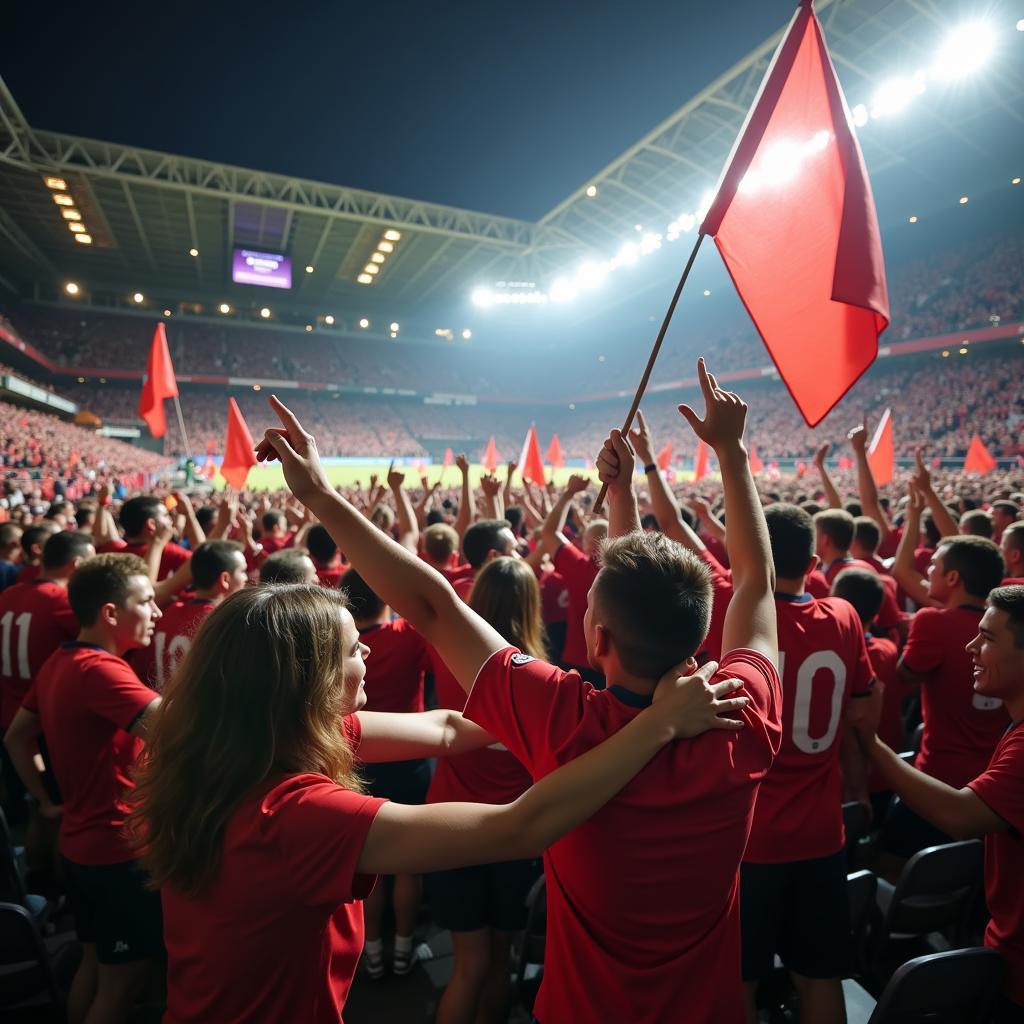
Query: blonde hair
x=259, y=693
x=507, y=595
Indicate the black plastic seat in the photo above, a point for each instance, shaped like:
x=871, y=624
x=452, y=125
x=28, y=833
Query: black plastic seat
x=26, y=971
x=12, y=882
x=861, y=889
x=528, y=955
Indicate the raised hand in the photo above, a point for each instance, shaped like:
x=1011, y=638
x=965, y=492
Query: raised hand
x=511, y=467
x=395, y=478
x=821, y=455
x=615, y=462
x=858, y=438
x=577, y=484
x=640, y=439
x=490, y=485
x=700, y=508
x=922, y=477
x=724, y=416
x=297, y=452
x=462, y=462
x=696, y=704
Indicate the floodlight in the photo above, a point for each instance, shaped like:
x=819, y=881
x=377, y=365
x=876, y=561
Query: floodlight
x=482, y=297
x=562, y=290
x=365, y=279
x=329, y=320
x=193, y=251
x=167, y=312
x=687, y=221
x=466, y=334
x=963, y=200
x=138, y=297
x=705, y=204
x=965, y=50
x=309, y=270
x=371, y=268
x=386, y=246
x=63, y=199
x=591, y=191
x=892, y=97
x=628, y=255
x=265, y=313
x=309, y=327
x=83, y=239
x=1015, y=181
x=377, y=257
x=707, y=291
x=77, y=226
x=591, y=274
x=394, y=327
x=71, y=288
x=649, y=243
x=58, y=184
x=224, y=307
x=913, y=219
x=860, y=115
x=391, y=235
x=364, y=323
x=70, y=214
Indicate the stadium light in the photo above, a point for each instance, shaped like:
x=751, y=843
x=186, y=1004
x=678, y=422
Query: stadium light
x=309, y=270
x=138, y=298
x=329, y=320
x=76, y=226
x=591, y=191
x=70, y=213
x=386, y=246
x=365, y=278
x=83, y=239
x=371, y=268
x=377, y=257
x=309, y=327
x=63, y=199
x=1015, y=181
x=57, y=184
x=391, y=235
x=965, y=50
x=193, y=251
x=394, y=328
x=265, y=313
x=963, y=200
x=167, y=312
x=224, y=307
x=913, y=220
x=707, y=291
x=364, y=323
x=1020, y=25
x=466, y=334
x=71, y=288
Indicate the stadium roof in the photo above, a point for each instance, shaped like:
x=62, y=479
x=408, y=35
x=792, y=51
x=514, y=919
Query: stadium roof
x=145, y=211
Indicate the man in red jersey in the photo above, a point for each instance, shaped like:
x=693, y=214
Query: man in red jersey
x=484, y=540
x=218, y=570
x=1011, y=546
x=94, y=710
x=793, y=900
x=393, y=682
x=326, y=557
x=992, y=803
x=32, y=541
x=1004, y=514
x=643, y=912
x=961, y=725
x=578, y=568
x=276, y=534
x=141, y=519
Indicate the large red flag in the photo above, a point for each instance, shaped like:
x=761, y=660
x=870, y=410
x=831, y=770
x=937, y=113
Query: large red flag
x=158, y=384
x=448, y=458
x=239, y=456
x=795, y=222
x=882, y=451
x=979, y=458
x=700, y=461
x=554, y=454
x=491, y=455
x=531, y=465
x=756, y=465
x=664, y=457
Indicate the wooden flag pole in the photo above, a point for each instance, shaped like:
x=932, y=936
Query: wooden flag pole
x=654, y=355
x=181, y=427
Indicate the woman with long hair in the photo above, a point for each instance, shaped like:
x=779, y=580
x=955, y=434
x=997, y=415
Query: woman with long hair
x=484, y=905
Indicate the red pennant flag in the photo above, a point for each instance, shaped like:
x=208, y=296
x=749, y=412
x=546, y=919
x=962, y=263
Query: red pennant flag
x=979, y=458
x=491, y=456
x=239, y=456
x=209, y=469
x=795, y=222
x=159, y=383
x=531, y=465
x=664, y=457
x=449, y=459
x=801, y=468
x=700, y=462
x=756, y=465
x=882, y=451
x=554, y=455
x=845, y=462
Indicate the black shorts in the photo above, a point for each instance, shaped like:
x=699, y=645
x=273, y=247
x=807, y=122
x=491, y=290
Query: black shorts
x=484, y=896
x=113, y=909
x=798, y=910
x=401, y=782
x=904, y=833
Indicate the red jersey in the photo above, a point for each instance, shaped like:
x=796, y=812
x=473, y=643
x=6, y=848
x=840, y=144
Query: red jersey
x=278, y=933
x=175, y=629
x=330, y=576
x=1001, y=786
x=554, y=597
x=35, y=619
x=173, y=558
x=721, y=595
x=579, y=572
x=824, y=663
x=487, y=776
x=816, y=585
x=884, y=658
x=889, y=615
x=29, y=572
x=87, y=700
x=395, y=667
x=961, y=727
x=272, y=544
x=643, y=899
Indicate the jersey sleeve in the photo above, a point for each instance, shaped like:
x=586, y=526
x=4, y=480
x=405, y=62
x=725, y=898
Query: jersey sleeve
x=862, y=680
x=319, y=829
x=529, y=705
x=1001, y=785
x=112, y=547
x=816, y=585
x=923, y=651
x=889, y=615
x=113, y=691
x=761, y=683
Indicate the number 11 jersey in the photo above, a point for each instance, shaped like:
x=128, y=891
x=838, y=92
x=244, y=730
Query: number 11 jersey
x=823, y=662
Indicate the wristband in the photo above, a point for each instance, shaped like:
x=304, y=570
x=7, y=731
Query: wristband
x=651, y=467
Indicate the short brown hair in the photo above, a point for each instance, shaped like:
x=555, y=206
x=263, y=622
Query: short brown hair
x=836, y=524
x=1014, y=535
x=976, y=523
x=102, y=580
x=1011, y=601
x=977, y=560
x=440, y=541
x=867, y=533
x=654, y=598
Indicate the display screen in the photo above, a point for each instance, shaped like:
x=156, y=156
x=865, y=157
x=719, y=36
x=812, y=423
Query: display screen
x=270, y=269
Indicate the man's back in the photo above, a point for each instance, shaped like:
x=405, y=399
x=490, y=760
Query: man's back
x=643, y=920
x=172, y=638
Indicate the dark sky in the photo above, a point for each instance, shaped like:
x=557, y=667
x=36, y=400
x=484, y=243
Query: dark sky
x=505, y=108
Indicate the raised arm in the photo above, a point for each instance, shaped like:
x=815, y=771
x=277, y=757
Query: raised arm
x=408, y=531
x=922, y=478
x=506, y=494
x=387, y=736
x=416, y=591
x=666, y=511
x=467, y=500
x=867, y=489
x=831, y=494
x=554, y=522
x=104, y=529
x=193, y=531
x=903, y=569
x=615, y=464
x=491, y=487
x=750, y=616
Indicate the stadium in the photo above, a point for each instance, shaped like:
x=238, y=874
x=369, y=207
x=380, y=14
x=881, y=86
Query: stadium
x=463, y=374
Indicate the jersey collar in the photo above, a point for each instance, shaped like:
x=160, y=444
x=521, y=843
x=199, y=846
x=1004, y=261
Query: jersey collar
x=71, y=645
x=630, y=698
x=794, y=598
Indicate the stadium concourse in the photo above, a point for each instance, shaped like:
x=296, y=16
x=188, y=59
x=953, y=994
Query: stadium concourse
x=328, y=688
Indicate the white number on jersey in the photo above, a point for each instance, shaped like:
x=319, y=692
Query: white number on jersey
x=819, y=661
x=168, y=657
x=983, y=703
x=22, y=622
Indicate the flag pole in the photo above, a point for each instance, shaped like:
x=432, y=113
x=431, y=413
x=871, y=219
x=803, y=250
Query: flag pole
x=653, y=357
x=181, y=427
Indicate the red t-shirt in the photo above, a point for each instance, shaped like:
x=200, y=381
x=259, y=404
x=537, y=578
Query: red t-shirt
x=961, y=727
x=175, y=629
x=35, y=619
x=487, y=776
x=395, y=666
x=278, y=934
x=1013, y=581
x=29, y=572
x=272, y=544
x=1001, y=786
x=172, y=559
x=816, y=585
x=884, y=658
x=554, y=598
x=643, y=899
x=824, y=664
x=579, y=572
x=87, y=700
x=330, y=576
x=889, y=615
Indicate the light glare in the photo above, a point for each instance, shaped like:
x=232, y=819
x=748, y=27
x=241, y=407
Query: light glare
x=965, y=50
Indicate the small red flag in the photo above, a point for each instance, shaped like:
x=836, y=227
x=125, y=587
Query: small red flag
x=882, y=451
x=239, y=456
x=801, y=468
x=158, y=384
x=491, y=455
x=756, y=465
x=448, y=458
x=795, y=222
x=664, y=457
x=554, y=455
x=979, y=458
x=845, y=462
x=531, y=465
x=700, y=461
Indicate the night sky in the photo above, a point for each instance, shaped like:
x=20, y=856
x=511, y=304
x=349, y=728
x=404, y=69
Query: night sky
x=497, y=107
